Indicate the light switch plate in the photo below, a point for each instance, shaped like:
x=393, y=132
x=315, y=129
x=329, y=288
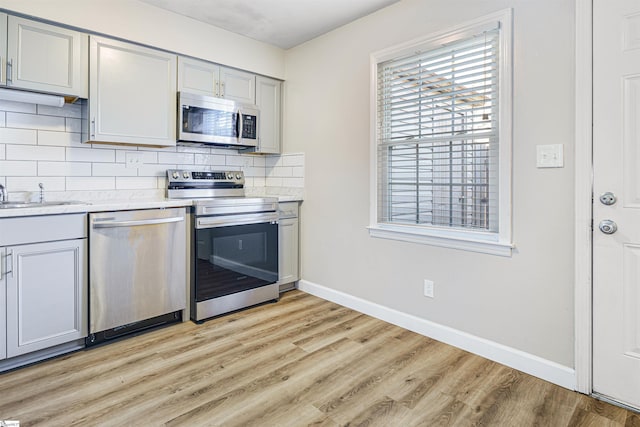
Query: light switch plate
x=132, y=159
x=550, y=156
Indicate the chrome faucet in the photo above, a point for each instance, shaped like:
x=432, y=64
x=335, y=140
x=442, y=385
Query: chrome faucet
x=3, y=193
x=41, y=185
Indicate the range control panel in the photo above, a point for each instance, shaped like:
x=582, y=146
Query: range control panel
x=204, y=177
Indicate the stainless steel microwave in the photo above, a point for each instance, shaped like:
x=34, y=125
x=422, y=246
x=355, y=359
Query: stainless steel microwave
x=217, y=121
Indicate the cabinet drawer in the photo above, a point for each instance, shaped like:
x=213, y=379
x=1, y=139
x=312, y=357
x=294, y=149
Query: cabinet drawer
x=45, y=228
x=288, y=209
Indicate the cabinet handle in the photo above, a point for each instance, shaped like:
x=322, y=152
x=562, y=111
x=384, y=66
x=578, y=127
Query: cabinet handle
x=10, y=71
x=9, y=263
x=217, y=88
x=93, y=128
x=222, y=89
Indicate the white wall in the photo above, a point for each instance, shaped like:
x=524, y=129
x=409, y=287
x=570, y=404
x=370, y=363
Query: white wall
x=525, y=301
x=146, y=24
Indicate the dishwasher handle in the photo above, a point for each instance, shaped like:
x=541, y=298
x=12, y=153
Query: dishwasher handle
x=136, y=223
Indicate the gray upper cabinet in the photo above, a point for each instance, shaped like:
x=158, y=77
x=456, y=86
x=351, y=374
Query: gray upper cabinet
x=237, y=85
x=269, y=100
x=42, y=57
x=207, y=78
x=132, y=94
x=197, y=76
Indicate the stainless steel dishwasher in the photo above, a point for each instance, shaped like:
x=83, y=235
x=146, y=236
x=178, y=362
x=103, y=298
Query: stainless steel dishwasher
x=137, y=271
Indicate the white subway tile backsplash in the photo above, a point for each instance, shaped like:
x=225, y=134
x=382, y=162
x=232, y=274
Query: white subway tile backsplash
x=113, y=169
x=137, y=183
x=44, y=144
x=19, y=107
x=158, y=170
x=90, y=155
x=67, y=110
x=31, y=183
x=58, y=139
x=73, y=125
x=274, y=182
x=18, y=136
x=209, y=159
x=34, y=152
x=297, y=172
x=64, y=169
x=176, y=158
x=202, y=149
x=293, y=182
x=292, y=160
x=239, y=161
x=272, y=161
x=18, y=168
x=281, y=172
x=90, y=183
x=32, y=121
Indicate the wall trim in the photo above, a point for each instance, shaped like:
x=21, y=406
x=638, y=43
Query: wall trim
x=583, y=194
x=511, y=357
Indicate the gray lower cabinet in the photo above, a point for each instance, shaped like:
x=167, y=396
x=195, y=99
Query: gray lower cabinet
x=289, y=247
x=3, y=299
x=44, y=278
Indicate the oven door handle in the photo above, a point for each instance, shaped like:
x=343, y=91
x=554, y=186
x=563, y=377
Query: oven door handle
x=135, y=223
x=229, y=220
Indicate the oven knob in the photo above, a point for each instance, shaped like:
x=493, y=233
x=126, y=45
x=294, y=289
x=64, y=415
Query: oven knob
x=175, y=175
x=238, y=176
x=185, y=175
x=229, y=175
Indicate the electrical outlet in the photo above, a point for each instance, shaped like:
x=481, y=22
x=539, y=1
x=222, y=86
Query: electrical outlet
x=132, y=159
x=428, y=288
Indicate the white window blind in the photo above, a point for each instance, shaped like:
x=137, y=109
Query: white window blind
x=437, y=136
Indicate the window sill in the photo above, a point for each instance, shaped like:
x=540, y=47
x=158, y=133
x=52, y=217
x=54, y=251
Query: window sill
x=442, y=239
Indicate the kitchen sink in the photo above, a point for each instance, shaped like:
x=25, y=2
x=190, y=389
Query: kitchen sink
x=11, y=204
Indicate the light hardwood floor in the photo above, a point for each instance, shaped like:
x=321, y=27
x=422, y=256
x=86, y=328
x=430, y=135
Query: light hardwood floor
x=302, y=361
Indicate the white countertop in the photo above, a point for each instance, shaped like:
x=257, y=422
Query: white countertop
x=116, y=205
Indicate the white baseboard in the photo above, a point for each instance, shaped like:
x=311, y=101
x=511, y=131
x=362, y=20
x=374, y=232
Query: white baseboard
x=511, y=357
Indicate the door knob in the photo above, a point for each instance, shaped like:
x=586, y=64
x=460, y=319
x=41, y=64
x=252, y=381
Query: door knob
x=608, y=227
x=608, y=198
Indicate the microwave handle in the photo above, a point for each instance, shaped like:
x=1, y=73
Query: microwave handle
x=240, y=124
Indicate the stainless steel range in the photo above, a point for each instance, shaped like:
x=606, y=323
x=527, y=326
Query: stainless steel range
x=234, y=242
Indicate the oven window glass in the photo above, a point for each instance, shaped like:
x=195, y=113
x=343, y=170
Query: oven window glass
x=234, y=259
x=207, y=121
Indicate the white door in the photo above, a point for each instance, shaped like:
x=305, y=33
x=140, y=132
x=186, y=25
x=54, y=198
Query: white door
x=197, y=76
x=616, y=152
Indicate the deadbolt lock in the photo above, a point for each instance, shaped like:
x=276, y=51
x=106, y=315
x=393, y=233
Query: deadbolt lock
x=608, y=198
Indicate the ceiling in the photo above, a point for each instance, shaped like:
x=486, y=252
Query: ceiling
x=283, y=23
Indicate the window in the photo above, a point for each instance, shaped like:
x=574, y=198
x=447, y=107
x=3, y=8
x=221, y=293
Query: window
x=443, y=139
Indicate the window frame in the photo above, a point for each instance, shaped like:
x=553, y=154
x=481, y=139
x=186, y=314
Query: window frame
x=495, y=243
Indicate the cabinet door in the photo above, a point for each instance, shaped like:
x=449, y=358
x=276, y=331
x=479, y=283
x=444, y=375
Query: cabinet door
x=3, y=49
x=199, y=77
x=3, y=304
x=268, y=98
x=237, y=85
x=46, y=295
x=288, y=251
x=46, y=58
x=132, y=94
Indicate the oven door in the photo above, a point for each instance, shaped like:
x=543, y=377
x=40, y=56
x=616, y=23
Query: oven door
x=233, y=258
